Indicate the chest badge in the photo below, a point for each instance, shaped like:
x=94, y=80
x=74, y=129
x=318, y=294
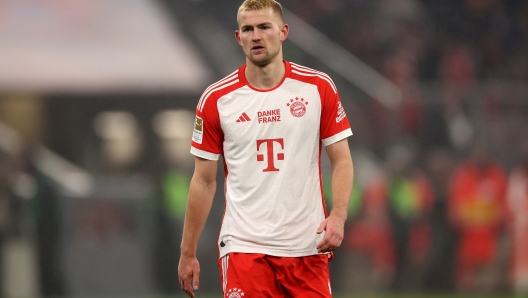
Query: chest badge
x=297, y=106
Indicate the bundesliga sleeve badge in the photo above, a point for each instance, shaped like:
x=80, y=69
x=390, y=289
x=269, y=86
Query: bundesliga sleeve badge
x=198, y=130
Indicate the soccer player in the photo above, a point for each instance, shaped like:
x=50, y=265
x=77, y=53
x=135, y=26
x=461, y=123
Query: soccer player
x=269, y=120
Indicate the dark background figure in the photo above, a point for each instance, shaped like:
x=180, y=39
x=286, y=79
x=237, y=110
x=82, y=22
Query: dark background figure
x=439, y=276
x=410, y=199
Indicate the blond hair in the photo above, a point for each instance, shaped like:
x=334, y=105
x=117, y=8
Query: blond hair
x=252, y=5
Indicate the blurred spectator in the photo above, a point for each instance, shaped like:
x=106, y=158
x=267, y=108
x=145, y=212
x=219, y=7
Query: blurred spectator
x=457, y=66
x=476, y=204
x=439, y=165
x=435, y=132
x=410, y=199
x=368, y=240
x=518, y=211
x=457, y=70
x=409, y=119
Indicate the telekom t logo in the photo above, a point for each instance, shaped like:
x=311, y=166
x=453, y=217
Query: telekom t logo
x=270, y=153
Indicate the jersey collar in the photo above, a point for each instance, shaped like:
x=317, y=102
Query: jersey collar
x=242, y=77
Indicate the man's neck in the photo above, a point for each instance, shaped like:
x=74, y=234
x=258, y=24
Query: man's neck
x=265, y=77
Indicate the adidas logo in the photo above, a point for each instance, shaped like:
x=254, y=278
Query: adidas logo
x=243, y=118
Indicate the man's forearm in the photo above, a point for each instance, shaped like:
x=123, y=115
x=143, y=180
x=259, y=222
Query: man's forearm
x=199, y=203
x=342, y=180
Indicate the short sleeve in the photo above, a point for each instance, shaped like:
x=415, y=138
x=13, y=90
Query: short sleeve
x=207, y=133
x=334, y=121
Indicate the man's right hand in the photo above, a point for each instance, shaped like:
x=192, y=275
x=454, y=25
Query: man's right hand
x=189, y=274
x=201, y=194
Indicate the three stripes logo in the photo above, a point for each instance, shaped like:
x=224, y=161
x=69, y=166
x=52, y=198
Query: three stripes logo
x=243, y=118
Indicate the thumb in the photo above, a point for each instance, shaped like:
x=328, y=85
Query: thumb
x=196, y=279
x=322, y=227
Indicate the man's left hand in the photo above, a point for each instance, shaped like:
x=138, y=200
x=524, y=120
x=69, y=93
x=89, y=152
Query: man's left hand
x=335, y=230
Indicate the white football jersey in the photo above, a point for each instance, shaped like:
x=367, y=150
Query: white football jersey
x=271, y=142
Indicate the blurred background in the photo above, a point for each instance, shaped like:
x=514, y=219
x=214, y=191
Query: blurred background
x=97, y=105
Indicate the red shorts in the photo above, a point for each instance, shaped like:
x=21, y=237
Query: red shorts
x=257, y=275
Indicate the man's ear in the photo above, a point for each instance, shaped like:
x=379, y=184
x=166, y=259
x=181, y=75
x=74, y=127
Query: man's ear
x=284, y=32
x=237, y=36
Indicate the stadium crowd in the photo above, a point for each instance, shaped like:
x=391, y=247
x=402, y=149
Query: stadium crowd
x=442, y=213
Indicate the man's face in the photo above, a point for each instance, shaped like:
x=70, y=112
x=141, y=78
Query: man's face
x=260, y=35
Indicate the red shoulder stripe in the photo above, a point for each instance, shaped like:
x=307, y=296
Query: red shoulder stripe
x=305, y=71
x=227, y=81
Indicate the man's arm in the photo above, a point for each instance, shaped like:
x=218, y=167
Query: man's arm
x=201, y=193
x=342, y=180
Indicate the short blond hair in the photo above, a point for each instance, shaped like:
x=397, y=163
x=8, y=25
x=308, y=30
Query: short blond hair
x=252, y=5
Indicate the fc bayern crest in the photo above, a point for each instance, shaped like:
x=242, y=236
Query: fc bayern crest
x=297, y=106
x=235, y=293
